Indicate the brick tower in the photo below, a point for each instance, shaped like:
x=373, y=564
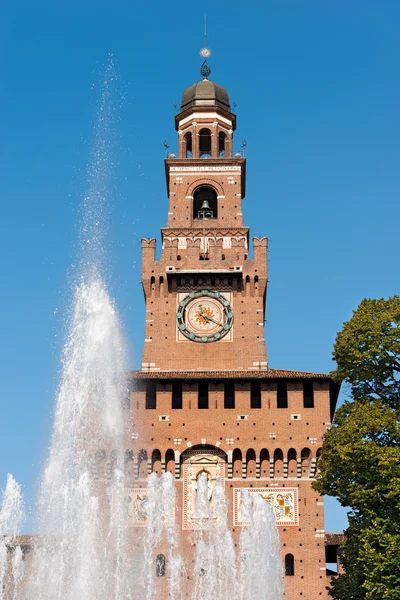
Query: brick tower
x=205, y=398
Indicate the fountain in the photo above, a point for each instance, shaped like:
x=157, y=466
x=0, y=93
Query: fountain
x=11, y=519
x=85, y=547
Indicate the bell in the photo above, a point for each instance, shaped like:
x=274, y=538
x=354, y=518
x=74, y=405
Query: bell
x=205, y=205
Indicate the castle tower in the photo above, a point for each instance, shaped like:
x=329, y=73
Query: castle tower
x=205, y=297
x=205, y=397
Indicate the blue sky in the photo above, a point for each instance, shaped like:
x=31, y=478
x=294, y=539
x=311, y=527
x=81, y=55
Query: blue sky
x=317, y=92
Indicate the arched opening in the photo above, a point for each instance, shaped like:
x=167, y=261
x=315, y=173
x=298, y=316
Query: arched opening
x=292, y=463
x=264, y=463
x=205, y=143
x=100, y=463
x=237, y=463
x=247, y=285
x=205, y=203
x=170, y=461
x=305, y=462
x=289, y=565
x=156, y=462
x=250, y=463
x=160, y=565
x=142, y=464
x=317, y=459
x=188, y=145
x=129, y=463
x=278, y=463
x=221, y=144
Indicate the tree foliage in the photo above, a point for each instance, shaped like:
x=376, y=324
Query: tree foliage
x=360, y=462
x=367, y=351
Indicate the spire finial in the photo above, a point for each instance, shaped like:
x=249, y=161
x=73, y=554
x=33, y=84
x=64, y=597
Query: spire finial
x=205, y=52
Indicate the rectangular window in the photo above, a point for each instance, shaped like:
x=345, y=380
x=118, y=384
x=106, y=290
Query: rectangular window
x=151, y=401
x=229, y=394
x=203, y=395
x=255, y=394
x=282, y=400
x=308, y=394
x=176, y=395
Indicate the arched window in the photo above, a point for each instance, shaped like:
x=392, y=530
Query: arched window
x=205, y=143
x=289, y=565
x=142, y=464
x=129, y=463
x=221, y=145
x=264, y=462
x=188, y=145
x=317, y=458
x=305, y=462
x=278, y=463
x=292, y=463
x=237, y=463
x=205, y=203
x=250, y=463
x=160, y=565
x=99, y=463
x=170, y=461
x=156, y=462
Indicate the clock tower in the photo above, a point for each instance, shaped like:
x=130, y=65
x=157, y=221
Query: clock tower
x=205, y=297
x=205, y=398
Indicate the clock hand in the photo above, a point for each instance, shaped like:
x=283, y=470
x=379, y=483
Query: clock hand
x=211, y=319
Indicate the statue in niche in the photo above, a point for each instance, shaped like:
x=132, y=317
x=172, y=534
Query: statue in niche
x=210, y=488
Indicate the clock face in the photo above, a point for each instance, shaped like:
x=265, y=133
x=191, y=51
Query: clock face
x=204, y=316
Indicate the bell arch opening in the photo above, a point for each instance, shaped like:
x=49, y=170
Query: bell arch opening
x=188, y=151
x=205, y=143
x=205, y=203
x=221, y=144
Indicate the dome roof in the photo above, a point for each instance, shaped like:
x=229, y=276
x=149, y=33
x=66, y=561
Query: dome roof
x=205, y=93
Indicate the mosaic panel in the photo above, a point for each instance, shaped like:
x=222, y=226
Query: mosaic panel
x=137, y=499
x=284, y=502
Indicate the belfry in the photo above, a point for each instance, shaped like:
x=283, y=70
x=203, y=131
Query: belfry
x=205, y=398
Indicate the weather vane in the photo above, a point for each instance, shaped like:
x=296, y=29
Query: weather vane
x=205, y=52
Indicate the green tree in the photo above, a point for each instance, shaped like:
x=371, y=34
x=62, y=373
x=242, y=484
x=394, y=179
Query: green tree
x=360, y=462
x=367, y=351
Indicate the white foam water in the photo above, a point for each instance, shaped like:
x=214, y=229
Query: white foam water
x=84, y=551
x=260, y=573
x=11, y=519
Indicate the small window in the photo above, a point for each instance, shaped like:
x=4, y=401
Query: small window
x=255, y=394
x=289, y=565
x=160, y=565
x=177, y=395
x=229, y=394
x=282, y=399
x=151, y=401
x=308, y=394
x=203, y=395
